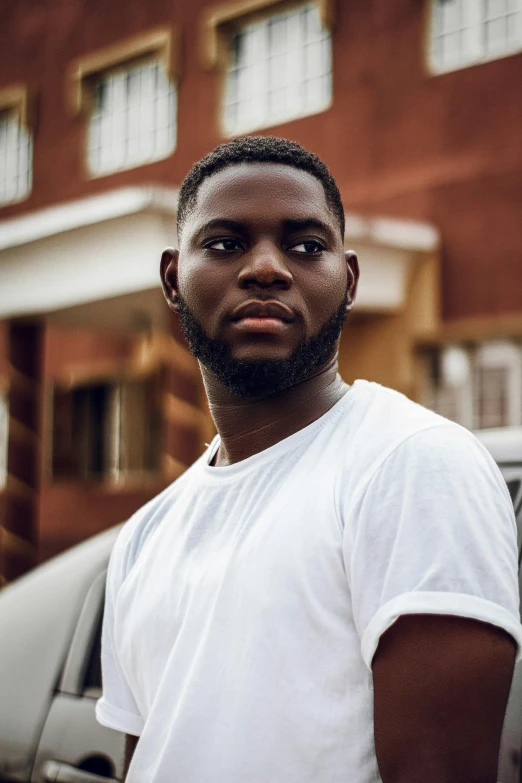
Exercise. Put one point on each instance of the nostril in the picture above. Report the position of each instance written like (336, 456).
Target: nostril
(266, 271)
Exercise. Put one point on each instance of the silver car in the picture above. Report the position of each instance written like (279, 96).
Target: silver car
(50, 675)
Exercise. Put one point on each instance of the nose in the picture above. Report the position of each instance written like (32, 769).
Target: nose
(265, 267)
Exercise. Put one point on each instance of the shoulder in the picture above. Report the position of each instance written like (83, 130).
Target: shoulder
(395, 435)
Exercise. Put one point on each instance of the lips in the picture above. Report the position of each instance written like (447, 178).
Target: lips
(257, 309)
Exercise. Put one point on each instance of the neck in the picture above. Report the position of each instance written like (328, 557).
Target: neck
(247, 427)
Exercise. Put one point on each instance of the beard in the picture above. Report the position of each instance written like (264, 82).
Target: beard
(260, 378)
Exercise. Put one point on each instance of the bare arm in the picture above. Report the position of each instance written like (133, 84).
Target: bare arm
(130, 746)
(441, 686)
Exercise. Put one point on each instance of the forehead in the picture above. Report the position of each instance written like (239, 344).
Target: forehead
(270, 191)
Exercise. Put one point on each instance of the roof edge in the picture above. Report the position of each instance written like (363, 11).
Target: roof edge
(59, 218)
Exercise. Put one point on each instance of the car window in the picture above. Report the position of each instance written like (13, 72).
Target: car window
(513, 487)
(93, 677)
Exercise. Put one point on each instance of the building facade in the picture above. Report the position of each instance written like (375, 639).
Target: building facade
(416, 107)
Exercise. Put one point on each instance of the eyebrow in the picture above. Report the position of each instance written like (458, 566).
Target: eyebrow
(228, 225)
(307, 223)
(291, 225)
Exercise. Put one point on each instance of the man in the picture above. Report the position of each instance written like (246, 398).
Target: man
(329, 594)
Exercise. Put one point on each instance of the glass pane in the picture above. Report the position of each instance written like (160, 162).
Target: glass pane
(495, 8)
(451, 13)
(513, 488)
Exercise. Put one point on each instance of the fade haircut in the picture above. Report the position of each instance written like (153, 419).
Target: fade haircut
(257, 149)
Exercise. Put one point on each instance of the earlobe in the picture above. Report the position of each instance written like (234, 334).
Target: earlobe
(352, 268)
(169, 276)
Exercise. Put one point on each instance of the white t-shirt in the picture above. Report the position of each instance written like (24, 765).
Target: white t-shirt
(244, 603)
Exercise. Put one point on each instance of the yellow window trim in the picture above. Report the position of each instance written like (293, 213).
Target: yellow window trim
(15, 98)
(160, 43)
(217, 21)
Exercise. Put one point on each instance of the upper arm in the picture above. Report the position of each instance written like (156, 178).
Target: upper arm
(117, 708)
(130, 746)
(441, 686)
(433, 533)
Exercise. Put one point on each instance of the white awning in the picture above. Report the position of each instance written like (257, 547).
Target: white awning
(387, 248)
(85, 251)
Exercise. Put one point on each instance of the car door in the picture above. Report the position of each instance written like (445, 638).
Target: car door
(510, 768)
(73, 747)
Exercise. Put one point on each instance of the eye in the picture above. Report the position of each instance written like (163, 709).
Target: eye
(224, 245)
(310, 246)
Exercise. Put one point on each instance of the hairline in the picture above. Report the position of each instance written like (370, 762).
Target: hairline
(236, 163)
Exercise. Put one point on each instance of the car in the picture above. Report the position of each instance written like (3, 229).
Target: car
(50, 671)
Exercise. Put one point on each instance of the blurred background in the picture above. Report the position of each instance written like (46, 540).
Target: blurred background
(416, 107)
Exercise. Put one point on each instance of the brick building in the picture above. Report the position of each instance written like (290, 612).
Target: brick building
(415, 105)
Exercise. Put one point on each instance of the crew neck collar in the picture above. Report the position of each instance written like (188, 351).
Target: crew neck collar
(272, 452)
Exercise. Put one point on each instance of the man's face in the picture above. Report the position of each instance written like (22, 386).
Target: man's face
(262, 277)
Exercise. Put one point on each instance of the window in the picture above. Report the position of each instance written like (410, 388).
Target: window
(16, 146)
(478, 386)
(133, 119)
(93, 676)
(466, 32)
(106, 430)
(279, 68)
(128, 96)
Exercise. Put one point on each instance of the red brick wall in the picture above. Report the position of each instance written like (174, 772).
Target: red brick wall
(445, 149)
(70, 510)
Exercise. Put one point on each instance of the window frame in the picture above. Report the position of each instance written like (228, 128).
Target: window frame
(220, 22)
(162, 45)
(432, 69)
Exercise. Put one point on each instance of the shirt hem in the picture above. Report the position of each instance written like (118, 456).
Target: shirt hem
(120, 720)
(455, 604)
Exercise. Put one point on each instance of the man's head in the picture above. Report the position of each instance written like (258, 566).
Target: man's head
(261, 280)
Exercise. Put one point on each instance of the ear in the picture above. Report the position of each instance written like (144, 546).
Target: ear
(169, 276)
(352, 268)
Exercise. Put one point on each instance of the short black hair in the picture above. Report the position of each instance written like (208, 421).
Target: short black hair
(258, 149)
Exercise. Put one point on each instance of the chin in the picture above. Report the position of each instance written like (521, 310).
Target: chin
(260, 355)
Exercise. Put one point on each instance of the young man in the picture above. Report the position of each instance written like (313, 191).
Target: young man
(329, 594)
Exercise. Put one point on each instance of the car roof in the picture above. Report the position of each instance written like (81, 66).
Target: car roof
(38, 616)
(503, 443)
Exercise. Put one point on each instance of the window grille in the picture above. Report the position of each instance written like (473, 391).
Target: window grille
(280, 68)
(466, 32)
(133, 120)
(490, 395)
(16, 153)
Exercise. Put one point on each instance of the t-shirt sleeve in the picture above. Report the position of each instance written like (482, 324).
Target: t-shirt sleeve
(117, 707)
(433, 532)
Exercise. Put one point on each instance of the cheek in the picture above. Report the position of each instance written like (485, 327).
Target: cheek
(325, 292)
(199, 289)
